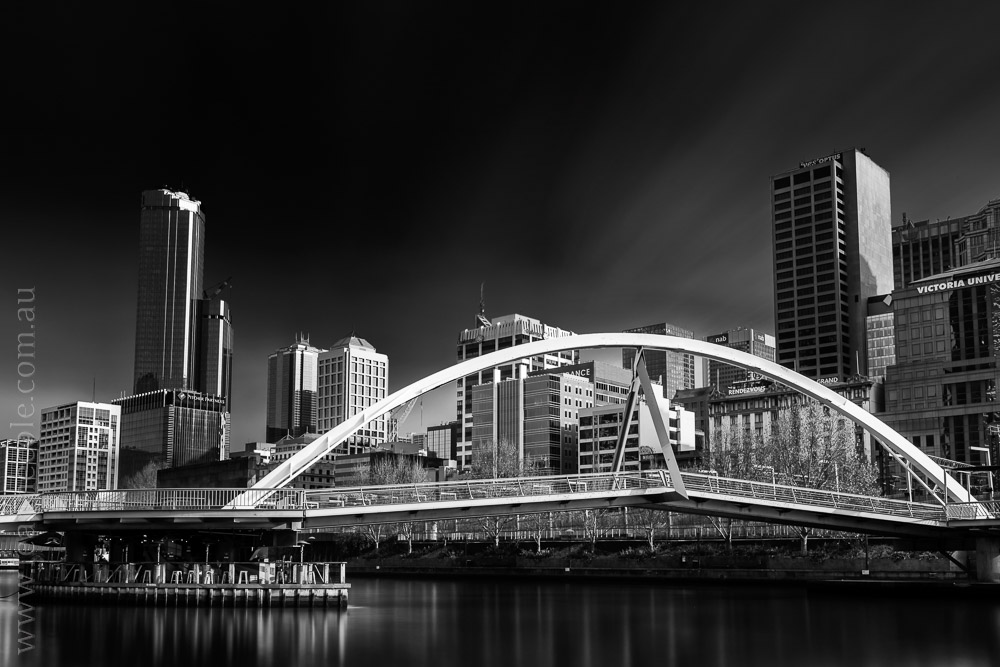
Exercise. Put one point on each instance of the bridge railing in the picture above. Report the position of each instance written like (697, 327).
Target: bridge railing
(478, 489)
(160, 499)
(795, 495)
(989, 509)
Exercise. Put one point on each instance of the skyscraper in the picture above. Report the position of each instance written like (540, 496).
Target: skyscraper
(179, 411)
(675, 370)
(171, 256)
(293, 390)
(352, 377)
(832, 251)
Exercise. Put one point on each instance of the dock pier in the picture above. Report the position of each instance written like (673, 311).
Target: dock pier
(170, 584)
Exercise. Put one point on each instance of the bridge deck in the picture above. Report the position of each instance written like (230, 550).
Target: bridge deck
(707, 494)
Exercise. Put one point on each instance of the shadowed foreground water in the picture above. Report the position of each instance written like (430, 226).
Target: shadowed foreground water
(505, 623)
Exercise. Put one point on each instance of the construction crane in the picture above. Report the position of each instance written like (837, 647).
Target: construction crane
(398, 416)
(213, 292)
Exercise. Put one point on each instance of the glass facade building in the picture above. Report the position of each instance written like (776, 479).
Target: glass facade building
(942, 392)
(674, 370)
(293, 390)
(172, 427)
(171, 258)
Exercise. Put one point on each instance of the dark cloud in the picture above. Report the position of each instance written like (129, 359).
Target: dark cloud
(366, 166)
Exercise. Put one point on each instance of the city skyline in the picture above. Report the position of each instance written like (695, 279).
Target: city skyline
(367, 170)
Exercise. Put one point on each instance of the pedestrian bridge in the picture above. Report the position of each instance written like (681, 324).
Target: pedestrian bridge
(254, 509)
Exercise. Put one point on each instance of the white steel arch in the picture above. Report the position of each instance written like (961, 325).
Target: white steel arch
(288, 470)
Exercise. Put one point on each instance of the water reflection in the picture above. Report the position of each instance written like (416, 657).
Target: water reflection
(502, 623)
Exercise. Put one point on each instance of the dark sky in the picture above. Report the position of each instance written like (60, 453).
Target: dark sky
(365, 166)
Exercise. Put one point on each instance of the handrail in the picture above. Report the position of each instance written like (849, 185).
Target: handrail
(286, 499)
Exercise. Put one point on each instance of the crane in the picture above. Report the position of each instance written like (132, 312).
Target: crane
(399, 415)
(213, 292)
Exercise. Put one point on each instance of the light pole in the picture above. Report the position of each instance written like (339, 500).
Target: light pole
(774, 481)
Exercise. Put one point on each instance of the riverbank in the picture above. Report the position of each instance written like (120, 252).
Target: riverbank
(707, 563)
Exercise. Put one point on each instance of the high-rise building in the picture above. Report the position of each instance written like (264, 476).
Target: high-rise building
(171, 257)
(293, 390)
(352, 377)
(78, 447)
(832, 251)
(757, 343)
(674, 370)
(183, 342)
(213, 366)
(502, 333)
(942, 392)
(171, 427)
(19, 465)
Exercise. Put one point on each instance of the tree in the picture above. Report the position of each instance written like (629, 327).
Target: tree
(497, 459)
(806, 445)
(390, 469)
(145, 478)
(649, 520)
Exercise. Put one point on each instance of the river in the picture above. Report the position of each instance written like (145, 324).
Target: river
(507, 622)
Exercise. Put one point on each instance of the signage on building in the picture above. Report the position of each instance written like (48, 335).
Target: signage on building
(833, 379)
(753, 376)
(583, 370)
(961, 282)
(749, 387)
(760, 338)
(721, 339)
(835, 156)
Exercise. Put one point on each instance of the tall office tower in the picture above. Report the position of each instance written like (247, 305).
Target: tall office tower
(78, 447)
(293, 390)
(171, 427)
(352, 377)
(832, 251)
(19, 466)
(921, 249)
(171, 254)
(502, 333)
(674, 370)
(744, 339)
(213, 347)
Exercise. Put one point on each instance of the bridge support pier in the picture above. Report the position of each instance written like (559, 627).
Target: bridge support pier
(988, 559)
